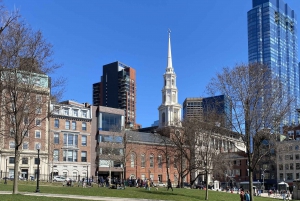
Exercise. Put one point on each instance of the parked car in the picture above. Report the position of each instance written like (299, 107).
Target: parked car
(160, 184)
(59, 179)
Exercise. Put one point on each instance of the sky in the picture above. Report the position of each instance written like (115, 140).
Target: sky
(206, 35)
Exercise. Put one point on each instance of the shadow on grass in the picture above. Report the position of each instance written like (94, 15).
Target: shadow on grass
(174, 193)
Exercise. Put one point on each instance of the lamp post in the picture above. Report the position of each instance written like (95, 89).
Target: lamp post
(38, 147)
(263, 177)
(87, 174)
(5, 178)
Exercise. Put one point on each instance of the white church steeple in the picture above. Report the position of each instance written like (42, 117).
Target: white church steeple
(170, 109)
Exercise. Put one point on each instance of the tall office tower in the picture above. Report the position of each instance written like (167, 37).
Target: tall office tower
(199, 107)
(272, 40)
(170, 109)
(117, 89)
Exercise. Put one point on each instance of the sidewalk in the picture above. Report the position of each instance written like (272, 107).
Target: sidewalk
(80, 196)
(278, 196)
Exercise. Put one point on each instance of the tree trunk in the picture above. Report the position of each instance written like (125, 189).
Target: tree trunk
(206, 191)
(16, 172)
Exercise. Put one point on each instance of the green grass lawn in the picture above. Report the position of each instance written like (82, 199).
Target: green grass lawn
(161, 194)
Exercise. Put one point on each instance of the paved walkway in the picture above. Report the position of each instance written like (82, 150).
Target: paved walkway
(80, 196)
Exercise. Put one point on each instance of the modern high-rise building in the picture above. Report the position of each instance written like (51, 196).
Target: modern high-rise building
(272, 40)
(117, 89)
(199, 107)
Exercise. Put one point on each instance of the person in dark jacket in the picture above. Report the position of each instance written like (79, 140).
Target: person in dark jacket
(169, 185)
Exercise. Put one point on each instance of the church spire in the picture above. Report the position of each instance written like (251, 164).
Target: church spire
(169, 64)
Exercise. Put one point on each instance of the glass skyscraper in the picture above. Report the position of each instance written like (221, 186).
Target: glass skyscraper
(272, 40)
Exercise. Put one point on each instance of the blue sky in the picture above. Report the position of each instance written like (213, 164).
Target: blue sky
(86, 34)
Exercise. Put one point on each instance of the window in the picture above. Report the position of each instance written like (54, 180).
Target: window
(84, 114)
(11, 144)
(291, 166)
(280, 167)
(56, 123)
(286, 166)
(24, 160)
(37, 134)
(37, 161)
(132, 160)
(297, 166)
(25, 120)
(38, 110)
(84, 126)
(11, 160)
(70, 139)
(151, 161)
(25, 145)
(38, 122)
(66, 112)
(297, 156)
(74, 125)
(289, 176)
(110, 122)
(83, 140)
(12, 132)
(281, 176)
(143, 160)
(39, 98)
(56, 138)
(67, 126)
(297, 147)
(70, 155)
(25, 133)
(83, 156)
(159, 162)
(75, 113)
(55, 155)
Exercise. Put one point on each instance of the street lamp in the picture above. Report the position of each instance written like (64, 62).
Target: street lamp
(38, 147)
(5, 178)
(263, 177)
(87, 174)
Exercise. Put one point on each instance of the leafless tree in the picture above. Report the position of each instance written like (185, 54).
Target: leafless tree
(259, 106)
(25, 62)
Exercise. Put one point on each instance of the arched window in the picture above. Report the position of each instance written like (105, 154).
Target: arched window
(143, 160)
(163, 117)
(132, 160)
(151, 161)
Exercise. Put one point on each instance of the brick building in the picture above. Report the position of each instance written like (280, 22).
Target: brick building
(146, 158)
(24, 122)
(70, 140)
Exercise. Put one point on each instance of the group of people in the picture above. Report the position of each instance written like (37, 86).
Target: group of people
(245, 196)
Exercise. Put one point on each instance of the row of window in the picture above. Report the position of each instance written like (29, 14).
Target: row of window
(289, 166)
(73, 125)
(25, 133)
(24, 160)
(25, 145)
(70, 139)
(289, 176)
(160, 161)
(290, 157)
(72, 112)
(70, 155)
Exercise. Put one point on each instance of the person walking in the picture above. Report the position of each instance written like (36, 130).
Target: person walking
(247, 196)
(148, 184)
(242, 196)
(169, 185)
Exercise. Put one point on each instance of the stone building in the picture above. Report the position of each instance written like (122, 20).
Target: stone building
(70, 140)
